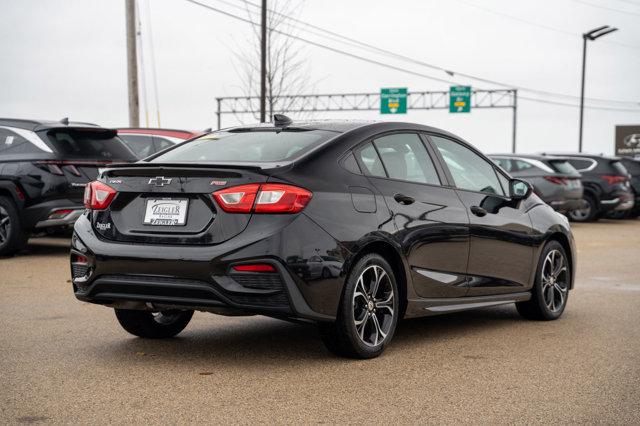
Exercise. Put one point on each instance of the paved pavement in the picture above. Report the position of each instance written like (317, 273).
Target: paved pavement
(62, 361)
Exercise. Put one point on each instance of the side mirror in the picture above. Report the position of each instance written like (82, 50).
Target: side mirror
(519, 189)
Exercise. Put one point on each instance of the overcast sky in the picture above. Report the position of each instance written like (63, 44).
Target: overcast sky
(67, 58)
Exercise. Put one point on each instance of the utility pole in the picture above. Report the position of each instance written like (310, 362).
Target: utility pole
(263, 63)
(132, 64)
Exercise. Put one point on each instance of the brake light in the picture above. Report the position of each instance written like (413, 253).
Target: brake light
(254, 267)
(612, 180)
(98, 195)
(556, 180)
(263, 198)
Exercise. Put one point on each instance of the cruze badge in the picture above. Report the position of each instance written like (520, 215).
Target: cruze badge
(159, 181)
(219, 182)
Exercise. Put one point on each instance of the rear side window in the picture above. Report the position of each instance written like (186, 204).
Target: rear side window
(619, 168)
(161, 143)
(469, 170)
(371, 161)
(632, 166)
(505, 163)
(405, 157)
(101, 145)
(562, 166)
(581, 164)
(141, 145)
(12, 143)
(252, 146)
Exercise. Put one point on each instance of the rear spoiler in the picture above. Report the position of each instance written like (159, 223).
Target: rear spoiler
(159, 168)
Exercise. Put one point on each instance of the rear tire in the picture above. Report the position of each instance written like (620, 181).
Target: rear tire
(588, 214)
(550, 292)
(12, 237)
(153, 325)
(368, 311)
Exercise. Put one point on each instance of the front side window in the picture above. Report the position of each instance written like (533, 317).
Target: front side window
(246, 146)
(469, 170)
(405, 157)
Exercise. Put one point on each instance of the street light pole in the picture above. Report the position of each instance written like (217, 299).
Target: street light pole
(263, 63)
(591, 35)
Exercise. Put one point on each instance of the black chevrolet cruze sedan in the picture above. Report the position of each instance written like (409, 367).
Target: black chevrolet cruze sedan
(408, 220)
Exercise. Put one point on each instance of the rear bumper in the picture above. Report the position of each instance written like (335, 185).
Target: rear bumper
(618, 203)
(201, 278)
(44, 215)
(566, 205)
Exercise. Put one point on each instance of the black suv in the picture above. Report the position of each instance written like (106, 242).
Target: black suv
(633, 167)
(606, 186)
(44, 167)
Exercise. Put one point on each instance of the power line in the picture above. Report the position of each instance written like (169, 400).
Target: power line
(597, 6)
(370, 47)
(535, 24)
(361, 58)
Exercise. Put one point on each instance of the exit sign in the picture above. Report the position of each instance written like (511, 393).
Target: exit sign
(460, 99)
(393, 100)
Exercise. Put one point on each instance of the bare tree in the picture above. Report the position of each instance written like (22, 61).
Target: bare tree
(287, 63)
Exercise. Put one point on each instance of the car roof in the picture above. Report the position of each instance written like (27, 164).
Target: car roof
(581, 155)
(539, 157)
(36, 125)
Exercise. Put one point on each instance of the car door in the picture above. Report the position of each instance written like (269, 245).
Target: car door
(431, 222)
(501, 234)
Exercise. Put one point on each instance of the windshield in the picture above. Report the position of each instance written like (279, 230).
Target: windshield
(563, 166)
(89, 144)
(254, 146)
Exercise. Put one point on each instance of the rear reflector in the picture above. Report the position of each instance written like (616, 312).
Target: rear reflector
(98, 195)
(556, 180)
(254, 267)
(59, 214)
(263, 198)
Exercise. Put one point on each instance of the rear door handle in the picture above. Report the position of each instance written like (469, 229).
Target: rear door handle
(478, 211)
(404, 199)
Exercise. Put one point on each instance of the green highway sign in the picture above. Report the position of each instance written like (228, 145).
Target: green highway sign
(393, 100)
(460, 99)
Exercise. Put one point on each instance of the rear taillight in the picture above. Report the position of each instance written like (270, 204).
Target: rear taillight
(254, 267)
(613, 179)
(556, 180)
(263, 198)
(98, 195)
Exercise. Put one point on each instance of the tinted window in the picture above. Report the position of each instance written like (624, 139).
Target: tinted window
(619, 168)
(253, 146)
(351, 164)
(523, 165)
(162, 143)
(89, 145)
(12, 143)
(371, 161)
(632, 166)
(469, 170)
(505, 184)
(141, 145)
(580, 164)
(405, 157)
(562, 166)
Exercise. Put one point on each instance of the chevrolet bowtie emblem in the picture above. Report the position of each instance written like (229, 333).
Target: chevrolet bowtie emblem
(159, 181)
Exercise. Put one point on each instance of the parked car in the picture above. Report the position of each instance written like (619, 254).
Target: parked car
(147, 141)
(44, 167)
(554, 179)
(419, 221)
(633, 167)
(606, 186)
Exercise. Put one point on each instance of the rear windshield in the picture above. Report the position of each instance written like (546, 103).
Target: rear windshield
(562, 166)
(100, 145)
(620, 168)
(256, 146)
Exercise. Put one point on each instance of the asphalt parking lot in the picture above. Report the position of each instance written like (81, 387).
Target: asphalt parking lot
(62, 361)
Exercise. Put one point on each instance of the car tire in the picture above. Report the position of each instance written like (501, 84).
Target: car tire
(326, 273)
(368, 312)
(153, 325)
(12, 237)
(550, 291)
(588, 214)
